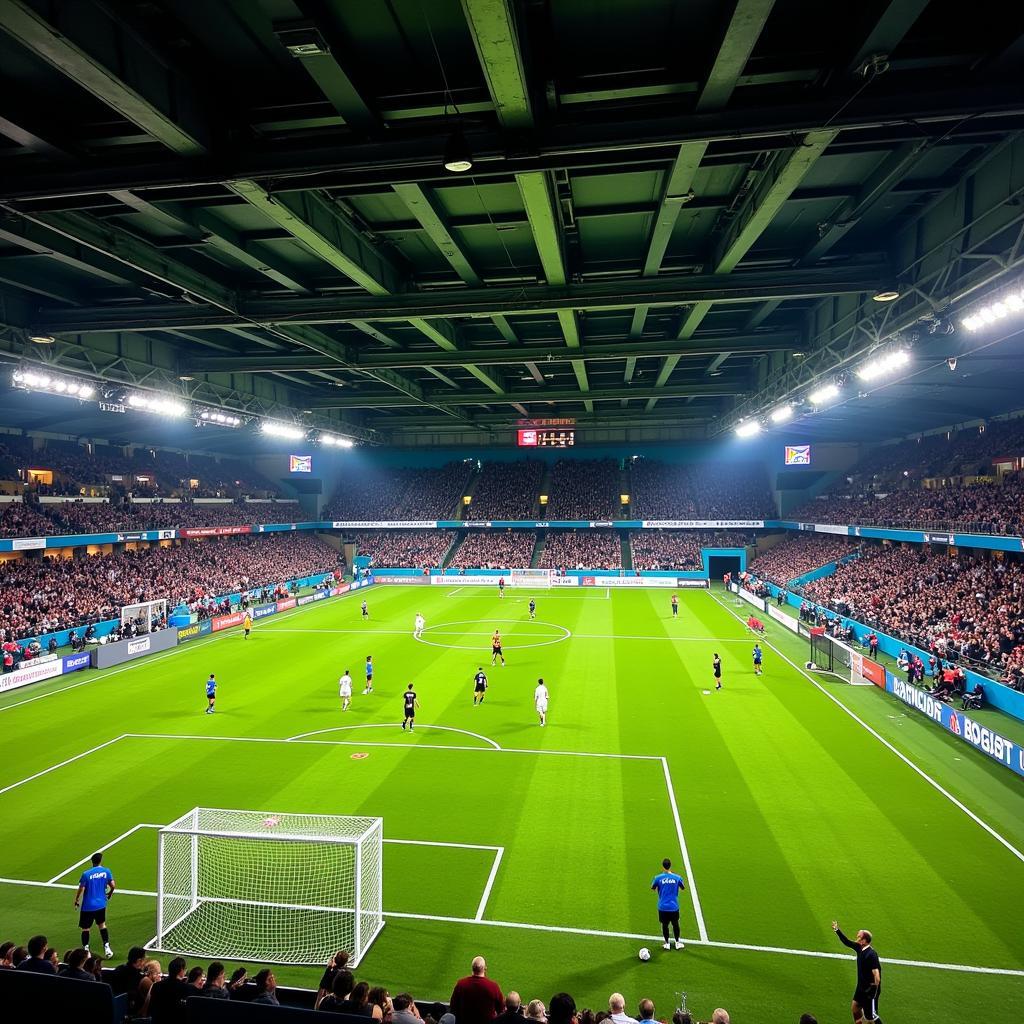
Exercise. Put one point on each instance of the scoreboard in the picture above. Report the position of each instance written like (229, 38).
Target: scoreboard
(547, 438)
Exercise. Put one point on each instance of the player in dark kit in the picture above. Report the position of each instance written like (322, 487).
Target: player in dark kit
(533, 608)
(716, 666)
(501, 586)
(95, 888)
(411, 704)
(479, 686)
(869, 976)
(496, 651)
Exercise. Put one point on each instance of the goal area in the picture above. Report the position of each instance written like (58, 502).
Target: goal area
(147, 612)
(531, 577)
(269, 887)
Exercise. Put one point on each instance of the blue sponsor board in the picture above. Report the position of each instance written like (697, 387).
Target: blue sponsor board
(261, 611)
(979, 736)
(73, 662)
(197, 629)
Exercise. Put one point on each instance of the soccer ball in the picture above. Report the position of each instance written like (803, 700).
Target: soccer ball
(644, 954)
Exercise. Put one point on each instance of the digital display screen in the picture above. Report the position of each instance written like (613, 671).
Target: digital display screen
(798, 455)
(300, 463)
(557, 438)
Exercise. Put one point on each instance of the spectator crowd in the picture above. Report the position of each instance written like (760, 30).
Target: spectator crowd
(400, 494)
(585, 489)
(507, 490)
(495, 549)
(799, 554)
(717, 490)
(403, 549)
(581, 549)
(680, 549)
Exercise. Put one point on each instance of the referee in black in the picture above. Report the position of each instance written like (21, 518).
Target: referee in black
(869, 976)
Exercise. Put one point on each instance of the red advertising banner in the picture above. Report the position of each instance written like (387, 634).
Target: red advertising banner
(227, 621)
(873, 672)
(288, 602)
(214, 531)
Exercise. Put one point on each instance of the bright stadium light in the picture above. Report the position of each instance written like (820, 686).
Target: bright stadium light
(52, 384)
(155, 404)
(218, 418)
(275, 428)
(1010, 304)
(780, 415)
(748, 428)
(882, 366)
(332, 440)
(824, 394)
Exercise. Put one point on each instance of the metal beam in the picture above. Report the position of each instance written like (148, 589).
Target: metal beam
(28, 138)
(539, 201)
(91, 44)
(896, 21)
(702, 347)
(745, 26)
(492, 25)
(424, 207)
(327, 232)
(487, 378)
(664, 291)
(391, 401)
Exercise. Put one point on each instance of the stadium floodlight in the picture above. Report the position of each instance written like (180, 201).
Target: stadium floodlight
(883, 365)
(220, 419)
(269, 887)
(289, 431)
(334, 441)
(823, 394)
(156, 404)
(748, 428)
(781, 414)
(52, 384)
(1010, 304)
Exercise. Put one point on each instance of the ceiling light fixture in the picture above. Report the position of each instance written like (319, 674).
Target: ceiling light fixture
(882, 366)
(458, 157)
(160, 406)
(334, 441)
(47, 383)
(1012, 303)
(781, 414)
(42, 339)
(887, 292)
(275, 428)
(824, 394)
(220, 419)
(748, 428)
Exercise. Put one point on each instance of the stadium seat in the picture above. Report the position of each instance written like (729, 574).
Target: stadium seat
(223, 1011)
(28, 998)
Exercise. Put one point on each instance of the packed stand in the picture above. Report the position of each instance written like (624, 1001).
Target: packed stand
(800, 554)
(983, 508)
(584, 489)
(23, 519)
(662, 490)
(404, 549)
(507, 490)
(960, 608)
(582, 549)
(404, 494)
(654, 550)
(44, 595)
(476, 998)
(495, 549)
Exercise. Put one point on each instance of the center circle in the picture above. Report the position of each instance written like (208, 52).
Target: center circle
(563, 634)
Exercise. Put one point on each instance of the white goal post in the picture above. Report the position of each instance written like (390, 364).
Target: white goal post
(531, 577)
(268, 887)
(148, 611)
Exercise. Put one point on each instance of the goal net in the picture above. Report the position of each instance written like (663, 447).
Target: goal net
(835, 657)
(273, 888)
(144, 614)
(531, 577)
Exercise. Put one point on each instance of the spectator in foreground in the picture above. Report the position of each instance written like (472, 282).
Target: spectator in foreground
(36, 960)
(562, 1009)
(536, 1010)
(338, 962)
(266, 988)
(405, 1011)
(617, 1009)
(166, 1000)
(646, 1009)
(513, 1009)
(126, 978)
(720, 1016)
(682, 1017)
(808, 1018)
(476, 999)
(341, 992)
(72, 967)
(7, 956)
(215, 987)
(196, 981)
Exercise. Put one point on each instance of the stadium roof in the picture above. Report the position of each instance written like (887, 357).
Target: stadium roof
(678, 211)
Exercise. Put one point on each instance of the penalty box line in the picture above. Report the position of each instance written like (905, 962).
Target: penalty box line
(881, 739)
(600, 934)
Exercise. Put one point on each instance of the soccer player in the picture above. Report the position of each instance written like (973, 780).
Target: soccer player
(864, 1004)
(418, 625)
(540, 701)
(246, 626)
(365, 610)
(411, 704)
(757, 659)
(345, 690)
(479, 686)
(501, 586)
(533, 608)
(369, 674)
(95, 888)
(675, 606)
(668, 885)
(211, 694)
(496, 651)
(716, 666)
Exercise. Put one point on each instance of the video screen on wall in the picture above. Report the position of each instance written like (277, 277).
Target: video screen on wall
(300, 463)
(798, 455)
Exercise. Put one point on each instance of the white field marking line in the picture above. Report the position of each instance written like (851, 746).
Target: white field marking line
(103, 849)
(1009, 972)
(389, 725)
(62, 764)
(498, 854)
(138, 664)
(694, 898)
(903, 757)
(574, 636)
(452, 593)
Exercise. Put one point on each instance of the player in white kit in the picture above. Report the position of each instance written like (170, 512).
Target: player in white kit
(540, 701)
(419, 623)
(345, 690)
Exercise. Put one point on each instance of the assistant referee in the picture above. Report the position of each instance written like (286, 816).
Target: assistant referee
(864, 1005)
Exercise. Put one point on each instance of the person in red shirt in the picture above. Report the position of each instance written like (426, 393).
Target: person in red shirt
(476, 999)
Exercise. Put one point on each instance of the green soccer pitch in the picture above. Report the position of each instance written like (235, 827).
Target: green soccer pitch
(785, 801)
